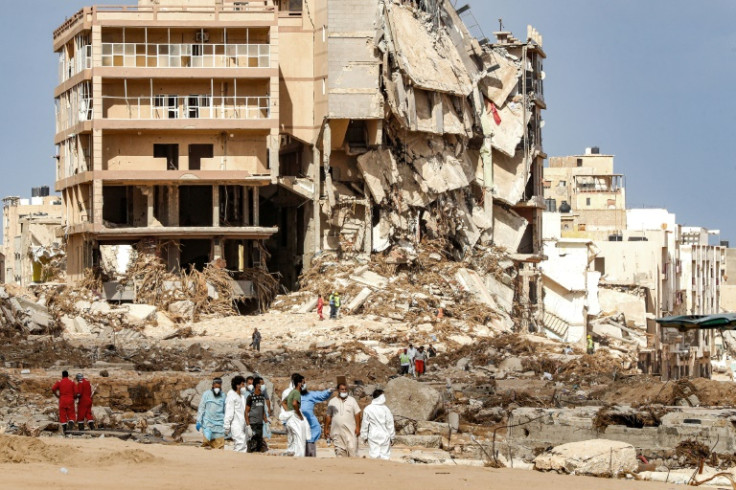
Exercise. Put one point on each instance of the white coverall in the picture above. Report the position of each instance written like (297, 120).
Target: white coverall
(412, 353)
(378, 429)
(297, 431)
(235, 420)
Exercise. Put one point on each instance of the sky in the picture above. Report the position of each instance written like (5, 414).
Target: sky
(649, 81)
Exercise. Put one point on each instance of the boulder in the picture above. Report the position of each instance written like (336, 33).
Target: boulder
(411, 399)
(100, 307)
(511, 365)
(184, 309)
(419, 441)
(140, 313)
(595, 457)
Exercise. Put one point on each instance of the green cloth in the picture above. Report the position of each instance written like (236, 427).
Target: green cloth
(293, 396)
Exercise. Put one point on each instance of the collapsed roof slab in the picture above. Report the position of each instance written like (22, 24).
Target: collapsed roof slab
(508, 133)
(509, 177)
(508, 228)
(497, 86)
(431, 64)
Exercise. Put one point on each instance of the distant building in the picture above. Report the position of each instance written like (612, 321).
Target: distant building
(30, 229)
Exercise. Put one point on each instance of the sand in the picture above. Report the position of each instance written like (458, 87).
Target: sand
(113, 464)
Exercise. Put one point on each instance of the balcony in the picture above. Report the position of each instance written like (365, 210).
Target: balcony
(82, 61)
(161, 107)
(142, 55)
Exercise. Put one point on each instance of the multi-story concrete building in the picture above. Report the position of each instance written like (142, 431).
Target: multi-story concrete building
(248, 129)
(30, 229)
(590, 196)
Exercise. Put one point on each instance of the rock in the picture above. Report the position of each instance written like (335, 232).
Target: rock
(411, 399)
(82, 306)
(511, 365)
(104, 373)
(139, 313)
(453, 420)
(100, 307)
(102, 415)
(595, 457)
(431, 441)
(463, 364)
(184, 309)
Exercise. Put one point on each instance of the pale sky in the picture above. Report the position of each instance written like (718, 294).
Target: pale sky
(650, 81)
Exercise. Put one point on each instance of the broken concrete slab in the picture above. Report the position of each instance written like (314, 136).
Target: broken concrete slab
(428, 441)
(358, 301)
(183, 309)
(508, 228)
(499, 84)
(412, 400)
(471, 281)
(366, 277)
(140, 313)
(597, 457)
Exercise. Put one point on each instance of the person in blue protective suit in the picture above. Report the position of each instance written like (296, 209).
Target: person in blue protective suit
(211, 416)
(309, 400)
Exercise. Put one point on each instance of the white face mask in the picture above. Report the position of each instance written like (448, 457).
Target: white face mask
(250, 387)
(343, 395)
(216, 391)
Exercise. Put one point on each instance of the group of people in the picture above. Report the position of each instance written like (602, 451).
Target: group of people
(75, 401)
(413, 360)
(334, 303)
(244, 416)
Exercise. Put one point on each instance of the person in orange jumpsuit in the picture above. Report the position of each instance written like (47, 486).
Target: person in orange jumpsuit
(320, 307)
(83, 393)
(64, 391)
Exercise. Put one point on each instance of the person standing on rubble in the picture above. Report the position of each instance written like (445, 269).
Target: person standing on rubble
(591, 345)
(83, 394)
(431, 352)
(256, 343)
(211, 416)
(404, 362)
(420, 359)
(343, 423)
(412, 352)
(320, 307)
(377, 428)
(309, 400)
(234, 422)
(64, 391)
(334, 305)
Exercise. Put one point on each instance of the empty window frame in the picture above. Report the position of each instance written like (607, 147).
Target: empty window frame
(168, 151)
(167, 106)
(197, 106)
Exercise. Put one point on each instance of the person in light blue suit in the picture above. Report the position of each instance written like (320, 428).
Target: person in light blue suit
(309, 400)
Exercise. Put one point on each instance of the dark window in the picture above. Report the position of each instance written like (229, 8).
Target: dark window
(580, 162)
(551, 205)
(168, 151)
(600, 265)
(587, 201)
(197, 153)
(195, 205)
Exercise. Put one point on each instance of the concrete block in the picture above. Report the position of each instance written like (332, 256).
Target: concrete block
(597, 457)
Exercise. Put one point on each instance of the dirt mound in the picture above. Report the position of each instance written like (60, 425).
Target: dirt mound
(124, 456)
(639, 391)
(15, 449)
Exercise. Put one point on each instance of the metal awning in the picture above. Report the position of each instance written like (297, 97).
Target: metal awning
(721, 321)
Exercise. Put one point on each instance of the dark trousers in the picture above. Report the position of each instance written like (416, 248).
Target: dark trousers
(333, 311)
(311, 450)
(256, 444)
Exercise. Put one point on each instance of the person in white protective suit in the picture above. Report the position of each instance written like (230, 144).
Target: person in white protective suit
(235, 415)
(297, 427)
(377, 427)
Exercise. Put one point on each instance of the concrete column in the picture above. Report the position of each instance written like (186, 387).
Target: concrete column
(173, 206)
(217, 246)
(150, 194)
(246, 205)
(256, 207)
(274, 142)
(97, 202)
(316, 216)
(215, 205)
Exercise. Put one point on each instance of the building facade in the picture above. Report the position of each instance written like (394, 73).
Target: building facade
(32, 235)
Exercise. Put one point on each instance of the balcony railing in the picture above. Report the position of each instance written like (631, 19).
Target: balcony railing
(69, 68)
(134, 55)
(186, 107)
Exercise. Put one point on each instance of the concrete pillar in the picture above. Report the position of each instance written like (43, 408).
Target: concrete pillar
(316, 216)
(217, 246)
(150, 194)
(173, 206)
(97, 202)
(215, 205)
(274, 142)
(256, 207)
(246, 206)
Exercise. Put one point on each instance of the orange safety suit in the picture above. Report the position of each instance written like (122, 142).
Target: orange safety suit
(83, 392)
(66, 400)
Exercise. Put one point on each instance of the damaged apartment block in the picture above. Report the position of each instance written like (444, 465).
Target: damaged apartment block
(307, 127)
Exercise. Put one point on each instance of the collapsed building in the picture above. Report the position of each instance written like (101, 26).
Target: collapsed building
(265, 134)
(33, 243)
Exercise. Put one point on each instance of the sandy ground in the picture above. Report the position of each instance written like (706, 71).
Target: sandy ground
(113, 464)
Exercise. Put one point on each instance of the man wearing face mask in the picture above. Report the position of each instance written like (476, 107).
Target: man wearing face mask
(343, 423)
(255, 415)
(378, 427)
(235, 414)
(297, 427)
(211, 416)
